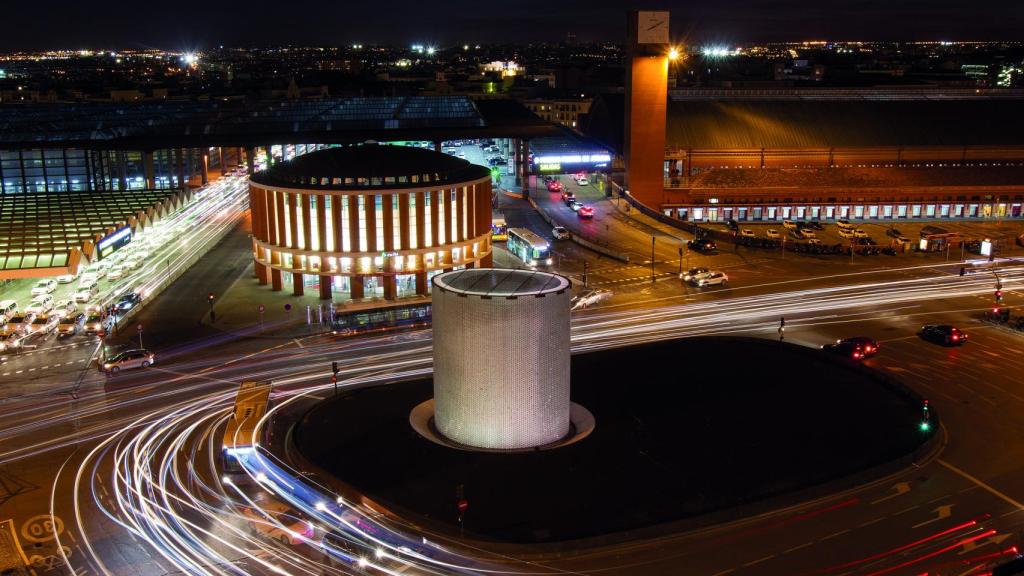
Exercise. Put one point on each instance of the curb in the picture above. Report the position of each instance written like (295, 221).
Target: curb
(577, 239)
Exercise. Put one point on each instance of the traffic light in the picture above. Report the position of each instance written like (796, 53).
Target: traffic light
(210, 296)
(999, 295)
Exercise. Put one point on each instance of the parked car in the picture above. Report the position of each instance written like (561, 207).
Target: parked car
(693, 273)
(70, 325)
(44, 323)
(846, 232)
(943, 334)
(771, 233)
(97, 270)
(19, 322)
(128, 360)
(711, 279)
(789, 225)
(560, 233)
(806, 233)
(814, 242)
(858, 233)
(894, 233)
(68, 278)
(844, 223)
(732, 224)
(86, 293)
(44, 287)
(815, 225)
(116, 272)
(40, 304)
(8, 308)
(706, 245)
(64, 307)
(747, 233)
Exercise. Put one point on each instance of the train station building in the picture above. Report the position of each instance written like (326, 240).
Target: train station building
(369, 220)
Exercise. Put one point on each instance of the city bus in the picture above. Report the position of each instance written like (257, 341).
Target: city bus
(358, 318)
(251, 403)
(529, 247)
(499, 229)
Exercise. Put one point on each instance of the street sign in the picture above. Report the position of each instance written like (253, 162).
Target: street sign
(287, 306)
(262, 307)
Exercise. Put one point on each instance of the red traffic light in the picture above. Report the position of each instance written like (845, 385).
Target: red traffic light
(999, 295)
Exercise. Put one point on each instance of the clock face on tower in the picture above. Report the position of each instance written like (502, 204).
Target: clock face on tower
(652, 27)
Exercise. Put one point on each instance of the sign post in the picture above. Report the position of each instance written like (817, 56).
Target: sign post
(261, 309)
(139, 328)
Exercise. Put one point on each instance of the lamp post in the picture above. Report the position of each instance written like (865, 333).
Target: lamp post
(653, 238)
(213, 315)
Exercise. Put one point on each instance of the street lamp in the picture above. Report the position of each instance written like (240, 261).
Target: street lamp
(213, 315)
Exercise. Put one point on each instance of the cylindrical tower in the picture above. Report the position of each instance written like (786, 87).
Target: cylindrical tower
(501, 357)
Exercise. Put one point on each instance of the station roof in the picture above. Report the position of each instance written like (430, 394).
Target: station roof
(858, 178)
(152, 125)
(370, 166)
(824, 119)
(500, 283)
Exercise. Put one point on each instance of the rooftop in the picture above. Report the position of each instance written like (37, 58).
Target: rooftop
(501, 283)
(146, 125)
(858, 178)
(370, 165)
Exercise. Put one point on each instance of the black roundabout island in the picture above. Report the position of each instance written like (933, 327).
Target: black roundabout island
(684, 428)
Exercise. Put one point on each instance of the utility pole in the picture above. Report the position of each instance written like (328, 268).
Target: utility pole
(680, 260)
(585, 273)
(653, 238)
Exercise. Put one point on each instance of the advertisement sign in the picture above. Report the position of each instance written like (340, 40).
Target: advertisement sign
(114, 242)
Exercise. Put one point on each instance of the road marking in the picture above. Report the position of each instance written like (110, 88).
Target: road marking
(943, 512)
(758, 561)
(795, 548)
(297, 343)
(870, 522)
(981, 484)
(723, 572)
(901, 488)
(974, 544)
(830, 536)
(904, 511)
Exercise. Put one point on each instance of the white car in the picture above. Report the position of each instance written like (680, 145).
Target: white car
(96, 270)
(86, 293)
(44, 287)
(589, 298)
(771, 233)
(789, 225)
(806, 233)
(64, 307)
(844, 223)
(132, 262)
(116, 273)
(583, 182)
(858, 233)
(40, 304)
(142, 254)
(747, 233)
(694, 274)
(560, 233)
(711, 279)
(846, 232)
(128, 360)
(814, 241)
(68, 278)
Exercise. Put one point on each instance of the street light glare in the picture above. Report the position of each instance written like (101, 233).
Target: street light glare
(673, 53)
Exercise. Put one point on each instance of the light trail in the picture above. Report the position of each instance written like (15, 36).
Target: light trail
(167, 494)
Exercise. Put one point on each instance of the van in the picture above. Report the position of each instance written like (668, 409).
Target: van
(8, 308)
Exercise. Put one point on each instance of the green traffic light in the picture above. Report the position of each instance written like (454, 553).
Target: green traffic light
(925, 426)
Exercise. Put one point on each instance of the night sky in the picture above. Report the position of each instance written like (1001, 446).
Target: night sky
(190, 24)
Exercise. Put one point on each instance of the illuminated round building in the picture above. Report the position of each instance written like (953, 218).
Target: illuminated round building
(501, 358)
(369, 220)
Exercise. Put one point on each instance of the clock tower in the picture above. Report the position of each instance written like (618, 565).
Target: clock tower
(646, 101)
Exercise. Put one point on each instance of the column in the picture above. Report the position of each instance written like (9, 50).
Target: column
(449, 234)
(250, 161)
(325, 287)
(220, 158)
(147, 164)
(524, 166)
(179, 165)
(275, 279)
(420, 219)
(297, 287)
(307, 218)
(122, 170)
(336, 222)
(460, 213)
(261, 271)
(268, 207)
(403, 221)
(437, 146)
(371, 222)
(204, 167)
(353, 229)
(390, 287)
(321, 225)
(387, 203)
(282, 237)
(421, 284)
(293, 219)
(435, 229)
(356, 282)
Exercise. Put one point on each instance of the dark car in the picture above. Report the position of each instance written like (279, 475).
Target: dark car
(126, 302)
(845, 349)
(944, 334)
(867, 345)
(893, 232)
(706, 245)
(814, 225)
(732, 224)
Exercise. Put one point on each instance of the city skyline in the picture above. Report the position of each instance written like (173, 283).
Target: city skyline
(195, 27)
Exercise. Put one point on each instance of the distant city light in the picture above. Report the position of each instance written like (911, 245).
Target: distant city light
(465, 46)
(3, 73)
(717, 51)
(190, 59)
(431, 50)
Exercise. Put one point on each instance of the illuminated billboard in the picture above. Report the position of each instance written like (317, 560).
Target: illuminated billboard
(114, 242)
